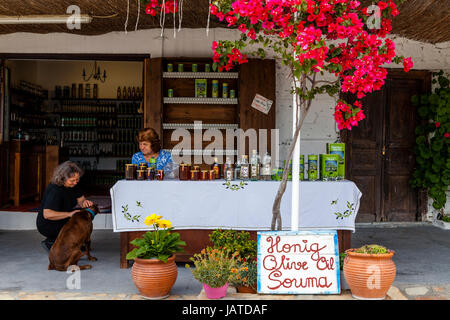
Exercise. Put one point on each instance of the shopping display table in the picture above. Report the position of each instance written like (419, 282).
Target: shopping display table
(195, 208)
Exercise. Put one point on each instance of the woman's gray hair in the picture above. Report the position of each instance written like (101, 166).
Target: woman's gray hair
(65, 171)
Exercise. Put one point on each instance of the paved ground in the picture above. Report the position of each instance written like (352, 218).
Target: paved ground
(422, 259)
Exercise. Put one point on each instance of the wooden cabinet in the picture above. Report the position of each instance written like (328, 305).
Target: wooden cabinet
(30, 170)
(165, 114)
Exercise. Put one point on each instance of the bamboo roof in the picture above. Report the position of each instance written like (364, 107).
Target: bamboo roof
(421, 20)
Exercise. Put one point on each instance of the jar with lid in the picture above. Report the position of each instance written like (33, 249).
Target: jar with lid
(184, 171)
(150, 173)
(204, 175)
(130, 171)
(160, 175)
(195, 175)
(140, 174)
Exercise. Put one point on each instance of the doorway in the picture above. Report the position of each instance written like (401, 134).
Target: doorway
(380, 151)
(90, 123)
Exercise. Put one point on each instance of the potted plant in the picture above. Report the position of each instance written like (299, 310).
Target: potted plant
(154, 271)
(214, 268)
(239, 241)
(369, 271)
(246, 280)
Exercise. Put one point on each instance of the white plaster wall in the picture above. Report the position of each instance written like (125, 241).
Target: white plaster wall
(319, 127)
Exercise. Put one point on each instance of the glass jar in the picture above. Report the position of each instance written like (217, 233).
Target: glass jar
(160, 175)
(184, 171)
(195, 175)
(130, 171)
(151, 173)
(204, 175)
(140, 174)
(212, 175)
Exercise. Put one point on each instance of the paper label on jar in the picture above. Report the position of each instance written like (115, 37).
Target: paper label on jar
(229, 175)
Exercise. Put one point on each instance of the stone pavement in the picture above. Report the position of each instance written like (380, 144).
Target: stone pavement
(394, 293)
(421, 258)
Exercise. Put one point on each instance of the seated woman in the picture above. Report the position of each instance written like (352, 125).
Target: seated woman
(59, 200)
(150, 147)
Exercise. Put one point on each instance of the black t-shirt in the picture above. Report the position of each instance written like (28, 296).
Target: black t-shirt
(58, 198)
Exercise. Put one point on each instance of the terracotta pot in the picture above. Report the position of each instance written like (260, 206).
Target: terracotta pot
(154, 278)
(369, 276)
(215, 293)
(245, 289)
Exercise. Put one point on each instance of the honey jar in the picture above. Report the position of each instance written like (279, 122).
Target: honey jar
(130, 171)
(184, 172)
(195, 175)
(160, 175)
(140, 174)
(212, 175)
(204, 175)
(150, 173)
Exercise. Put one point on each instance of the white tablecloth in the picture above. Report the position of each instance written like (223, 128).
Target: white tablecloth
(211, 205)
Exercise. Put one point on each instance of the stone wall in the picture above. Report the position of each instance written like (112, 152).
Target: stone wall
(319, 127)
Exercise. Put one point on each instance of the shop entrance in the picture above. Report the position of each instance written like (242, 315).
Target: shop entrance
(381, 150)
(52, 110)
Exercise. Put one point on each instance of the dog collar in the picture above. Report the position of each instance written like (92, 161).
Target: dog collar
(91, 212)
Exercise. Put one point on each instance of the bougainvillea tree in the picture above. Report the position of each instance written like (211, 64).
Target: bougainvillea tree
(314, 39)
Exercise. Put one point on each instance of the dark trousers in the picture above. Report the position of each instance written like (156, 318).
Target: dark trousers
(50, 229)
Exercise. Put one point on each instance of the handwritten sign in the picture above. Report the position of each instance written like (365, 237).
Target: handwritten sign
(298, 262)
(262, 104)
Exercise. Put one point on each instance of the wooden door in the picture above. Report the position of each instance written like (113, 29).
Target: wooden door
(380, 150)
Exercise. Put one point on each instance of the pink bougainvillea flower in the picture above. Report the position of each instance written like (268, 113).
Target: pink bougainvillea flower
(242, 27)
(437, 124)
(407, 64)
(447, 135)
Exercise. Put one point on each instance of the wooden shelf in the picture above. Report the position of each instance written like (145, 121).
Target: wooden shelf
(191, 100)
(97, 99)
(201, 75)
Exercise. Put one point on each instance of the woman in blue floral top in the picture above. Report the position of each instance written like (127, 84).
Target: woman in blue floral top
(150, 147)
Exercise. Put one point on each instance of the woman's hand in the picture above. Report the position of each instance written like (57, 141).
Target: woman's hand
(86, 203)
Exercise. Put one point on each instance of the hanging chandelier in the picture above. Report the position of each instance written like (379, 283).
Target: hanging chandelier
(95, 74)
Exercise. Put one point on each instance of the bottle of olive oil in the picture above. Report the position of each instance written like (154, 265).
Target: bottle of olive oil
(254, 166)
(245, 168)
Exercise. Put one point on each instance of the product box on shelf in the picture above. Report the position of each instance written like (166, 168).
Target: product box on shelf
(200, 88)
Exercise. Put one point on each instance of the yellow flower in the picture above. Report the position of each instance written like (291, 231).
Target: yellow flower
(152, 219)
(164, 224)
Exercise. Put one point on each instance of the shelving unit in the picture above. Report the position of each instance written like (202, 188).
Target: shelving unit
(201, 75)
(99, 134)
(166, 114)
(183, 109)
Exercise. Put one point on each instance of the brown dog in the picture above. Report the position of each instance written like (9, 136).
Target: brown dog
(74, 234)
